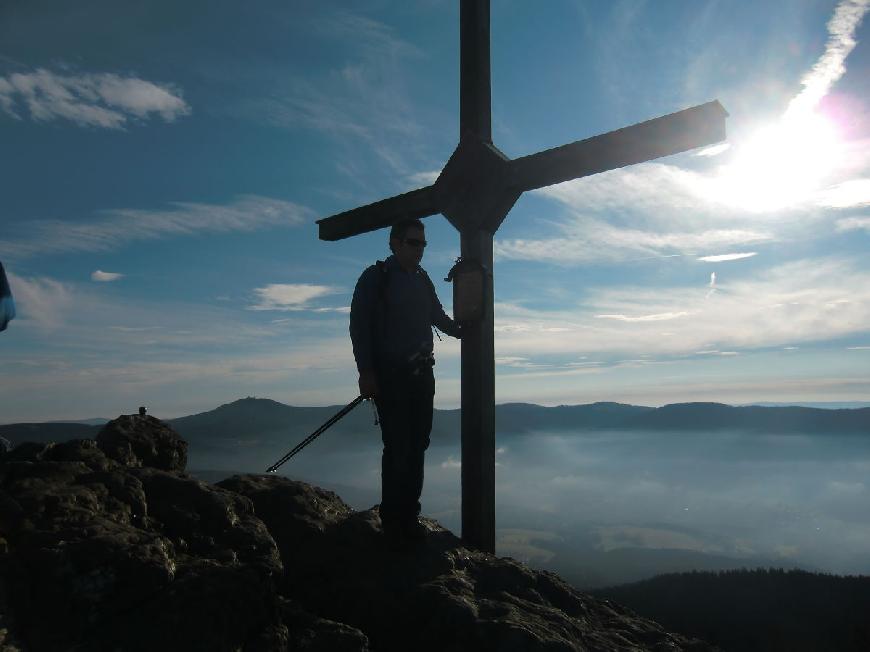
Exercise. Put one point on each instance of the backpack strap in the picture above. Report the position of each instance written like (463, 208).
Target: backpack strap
(383, 282)
(434, 298)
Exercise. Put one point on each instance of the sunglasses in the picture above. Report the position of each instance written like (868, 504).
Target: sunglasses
(414, 242)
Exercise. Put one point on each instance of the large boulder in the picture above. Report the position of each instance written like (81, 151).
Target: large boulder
(101, 555)
(436, 596)
(142, 440)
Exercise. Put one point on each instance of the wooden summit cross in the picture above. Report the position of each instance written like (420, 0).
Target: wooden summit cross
(475, 191)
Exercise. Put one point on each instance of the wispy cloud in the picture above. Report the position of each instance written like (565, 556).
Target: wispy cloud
(663, 316)
(42, 301)
(803, 301)
(714, 150)
(591, 241)
(656, 209)
(648, 210)
(854, 224)
(831, 66)
(852, 193)
(290, 296)
(423, 178)
(362, 105)
(105, 277)
(721, 258)
(104, 100)
(711, 285)
(116, 228)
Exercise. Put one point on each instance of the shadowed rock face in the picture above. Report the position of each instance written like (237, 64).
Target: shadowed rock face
(436, 596)
(135, 440)
(108, 545)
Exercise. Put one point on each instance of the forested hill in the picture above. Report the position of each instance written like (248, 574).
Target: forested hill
(252, 418)
(518, 417)
(757, 610)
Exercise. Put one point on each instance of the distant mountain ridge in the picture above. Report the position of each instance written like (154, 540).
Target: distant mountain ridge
(258, 418)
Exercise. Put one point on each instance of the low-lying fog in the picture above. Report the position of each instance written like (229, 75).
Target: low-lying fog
(609, 507)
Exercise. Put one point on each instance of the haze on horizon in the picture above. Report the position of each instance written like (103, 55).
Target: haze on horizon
(572, 501)
(164, 165)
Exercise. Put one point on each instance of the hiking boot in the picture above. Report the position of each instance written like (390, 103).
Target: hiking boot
(414, 530)
(395, 538)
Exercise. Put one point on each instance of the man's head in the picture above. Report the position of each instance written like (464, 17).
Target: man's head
(407, 241)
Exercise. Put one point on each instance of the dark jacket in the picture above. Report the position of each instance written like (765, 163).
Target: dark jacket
(391, 316)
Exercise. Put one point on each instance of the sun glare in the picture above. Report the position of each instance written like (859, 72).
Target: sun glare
(780, 165)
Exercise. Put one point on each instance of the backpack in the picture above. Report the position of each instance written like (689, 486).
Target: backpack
(383, 282)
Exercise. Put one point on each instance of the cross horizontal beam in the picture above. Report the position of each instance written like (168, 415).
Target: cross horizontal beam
(410, 205)
(670, 134)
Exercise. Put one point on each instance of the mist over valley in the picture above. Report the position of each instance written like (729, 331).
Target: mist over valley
(602, 494)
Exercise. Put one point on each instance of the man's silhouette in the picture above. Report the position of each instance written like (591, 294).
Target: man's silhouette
(391, 317)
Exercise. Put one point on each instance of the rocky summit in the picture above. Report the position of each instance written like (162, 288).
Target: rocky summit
(108, 544)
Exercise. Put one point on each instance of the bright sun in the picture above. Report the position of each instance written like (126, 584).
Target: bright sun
(781, 164)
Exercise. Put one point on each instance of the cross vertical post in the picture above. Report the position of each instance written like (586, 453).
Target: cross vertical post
(478, 346)
(478, 405)
(475, 191)
(474, 81)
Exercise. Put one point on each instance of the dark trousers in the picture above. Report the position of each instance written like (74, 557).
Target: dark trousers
(405, 412)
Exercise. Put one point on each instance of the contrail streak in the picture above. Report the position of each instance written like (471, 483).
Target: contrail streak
(832, 64)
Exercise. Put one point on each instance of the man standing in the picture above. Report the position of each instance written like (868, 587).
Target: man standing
(391, 316)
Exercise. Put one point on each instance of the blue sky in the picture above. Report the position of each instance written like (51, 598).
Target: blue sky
(163, 165)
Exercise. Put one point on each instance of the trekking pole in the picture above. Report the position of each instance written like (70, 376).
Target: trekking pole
(314, 435)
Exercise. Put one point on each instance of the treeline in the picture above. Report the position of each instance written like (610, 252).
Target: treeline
(763, 609)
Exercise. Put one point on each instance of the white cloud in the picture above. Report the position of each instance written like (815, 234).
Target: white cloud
(831, 66)
(804, 301)
(646, 191)
(103, 100)
(656, 209)
(726, 257)
(664, 316)
(852, 193)
(648, 210)
(712, 286)
(105, 277)
(589, 241)
(424, 178)
(518, 363)
(365, 101)
(289, 296)
(6, 92)
(714, 150)
(43, 301)
(123, 226)
(506, 360)
(853, 224)
(340, 309)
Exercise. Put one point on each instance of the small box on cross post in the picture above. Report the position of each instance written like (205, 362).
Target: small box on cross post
(469, 284)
